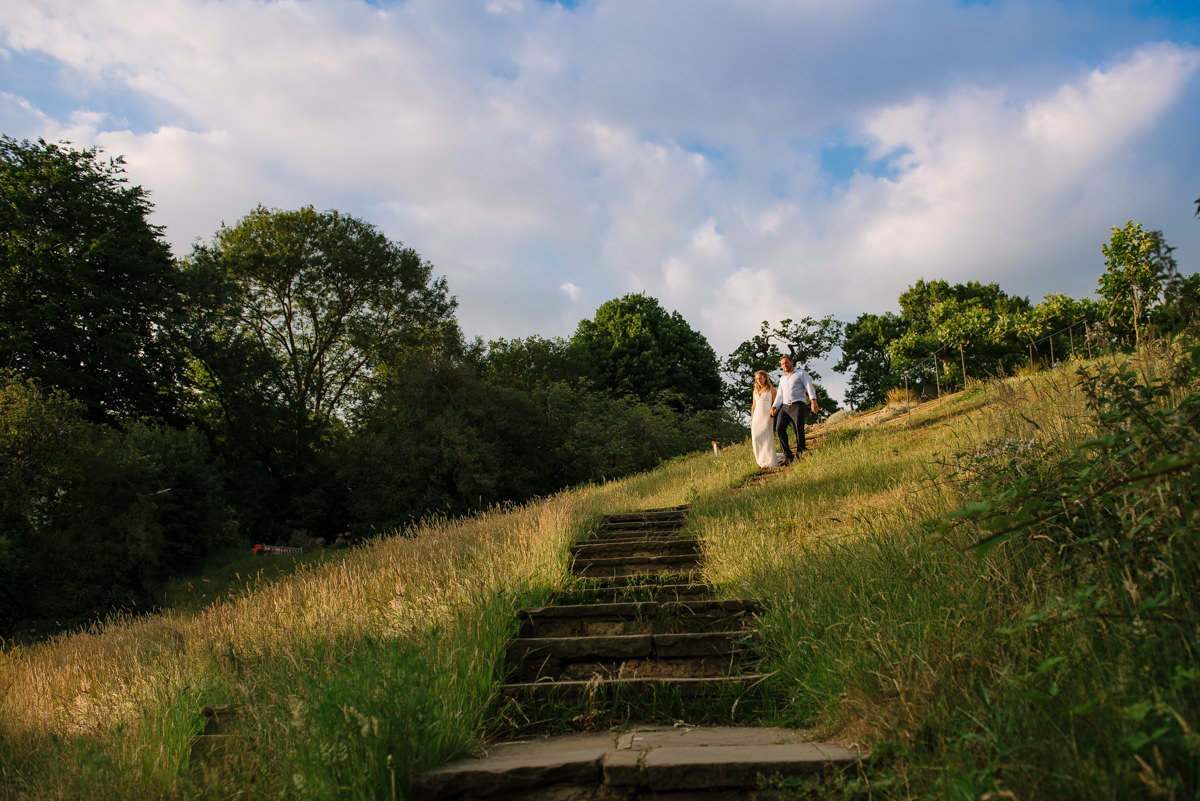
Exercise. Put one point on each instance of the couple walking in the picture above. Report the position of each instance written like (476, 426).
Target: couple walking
(775, 408)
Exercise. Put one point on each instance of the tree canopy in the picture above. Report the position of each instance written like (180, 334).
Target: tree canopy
(88, 287)
(324, 299)
(865, 349)
(634, 346)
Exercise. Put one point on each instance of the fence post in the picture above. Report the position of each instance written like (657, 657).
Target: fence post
(937, 380)
(1051, 338)
(906, 404)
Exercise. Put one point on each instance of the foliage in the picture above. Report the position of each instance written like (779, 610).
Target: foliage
(633, 346)
(939, 314)
(442, 440)
(533, 362)
(296, 316)
(1136, 263)
(91, 518)
(865, 352)
(186, 491)
(329, 298)
(438, 441)
(87, 285)
(1180, 307)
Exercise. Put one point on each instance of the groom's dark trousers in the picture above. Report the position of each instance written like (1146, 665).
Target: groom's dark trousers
(793, 414)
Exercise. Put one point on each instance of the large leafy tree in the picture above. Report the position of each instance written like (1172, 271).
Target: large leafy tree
(1137, 262)
(533, 362)
(865, 352)
(325, 299)
(92, 517)
(964, 325)
(634, 346)
(959, 326)
(296, 315)
(87, 284)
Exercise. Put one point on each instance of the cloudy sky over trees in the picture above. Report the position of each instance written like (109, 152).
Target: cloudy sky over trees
(739, 160)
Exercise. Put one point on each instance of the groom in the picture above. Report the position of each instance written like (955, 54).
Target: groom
(789, 405)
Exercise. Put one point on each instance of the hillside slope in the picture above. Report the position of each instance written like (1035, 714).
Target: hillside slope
(1046, 665)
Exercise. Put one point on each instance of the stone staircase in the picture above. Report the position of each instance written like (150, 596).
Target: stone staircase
(644, 625)
(642, 638)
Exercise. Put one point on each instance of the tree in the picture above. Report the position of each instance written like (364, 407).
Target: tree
(1136, 263)
(87, 285)
(533, 362)
(962, 325)
(929, 308)
(633, 346)
(865, 350)
(328, 298)
(295, 315)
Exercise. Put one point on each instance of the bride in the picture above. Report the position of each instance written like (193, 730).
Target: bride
(762, 429)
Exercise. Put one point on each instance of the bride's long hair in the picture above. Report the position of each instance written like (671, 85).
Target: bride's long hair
(762, 381)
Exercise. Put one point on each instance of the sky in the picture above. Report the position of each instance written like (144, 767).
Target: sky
(738, 160)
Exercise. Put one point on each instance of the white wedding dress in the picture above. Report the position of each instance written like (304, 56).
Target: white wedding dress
(762, 432)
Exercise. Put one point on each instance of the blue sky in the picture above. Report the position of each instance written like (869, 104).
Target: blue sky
(739, 161)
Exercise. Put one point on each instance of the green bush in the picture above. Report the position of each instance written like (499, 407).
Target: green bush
(85, 526)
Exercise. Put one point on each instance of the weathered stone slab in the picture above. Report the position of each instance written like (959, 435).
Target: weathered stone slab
(683, 685)
(575, 759)
(611, 549)
(655, 760)
(714, 767)
(631, 566)
(620, 646)
(707, 643)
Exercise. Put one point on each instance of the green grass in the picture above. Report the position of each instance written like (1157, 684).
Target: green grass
(1061, 663)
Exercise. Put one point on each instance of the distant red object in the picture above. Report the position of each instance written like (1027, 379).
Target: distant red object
(261, 550)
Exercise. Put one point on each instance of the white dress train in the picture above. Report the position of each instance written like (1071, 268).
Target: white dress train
(762, 432)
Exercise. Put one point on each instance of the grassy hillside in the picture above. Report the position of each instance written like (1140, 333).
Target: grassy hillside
(1060, 663)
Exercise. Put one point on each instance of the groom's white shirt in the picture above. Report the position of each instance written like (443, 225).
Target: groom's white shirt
(791, 385)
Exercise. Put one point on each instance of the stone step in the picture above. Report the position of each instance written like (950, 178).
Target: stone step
(605, 549)
(629, 566)
(669, 513)
(636, 764)
(664, 523)
(633, 588)
(618, 647)
(634, 616)
(550, 670)
(632, 687)
(626, 530)
(634, 534)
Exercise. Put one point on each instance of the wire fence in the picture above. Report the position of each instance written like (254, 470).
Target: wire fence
(1089, 335)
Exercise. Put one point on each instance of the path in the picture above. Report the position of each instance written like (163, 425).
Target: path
(644, 639)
